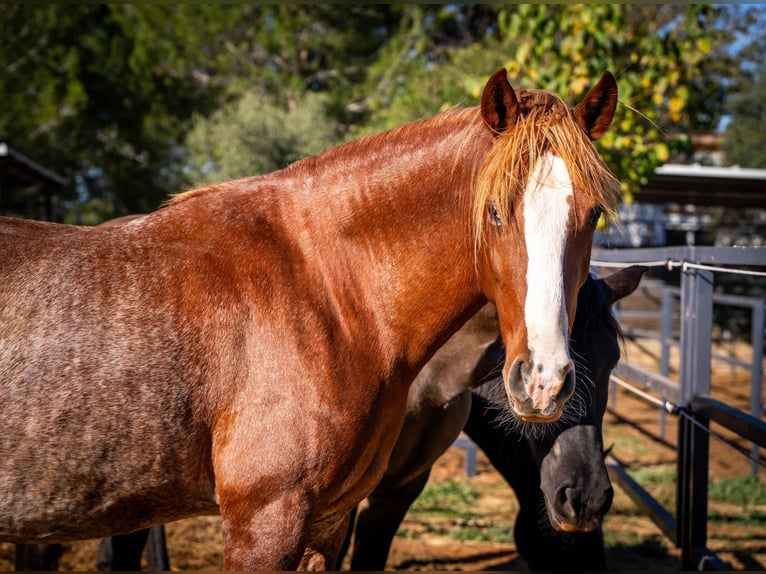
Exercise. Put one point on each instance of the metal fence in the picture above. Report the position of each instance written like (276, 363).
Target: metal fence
(690, 398)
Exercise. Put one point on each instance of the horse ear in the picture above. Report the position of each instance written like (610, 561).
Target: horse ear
(499, 106)
(623, 282)
(594, 113)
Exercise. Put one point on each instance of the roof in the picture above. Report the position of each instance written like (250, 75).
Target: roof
(16, 169)
(706, 185)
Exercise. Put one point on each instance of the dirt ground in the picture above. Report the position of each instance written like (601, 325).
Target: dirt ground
(633, 541)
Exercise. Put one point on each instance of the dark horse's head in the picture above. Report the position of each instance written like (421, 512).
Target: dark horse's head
(573, 477)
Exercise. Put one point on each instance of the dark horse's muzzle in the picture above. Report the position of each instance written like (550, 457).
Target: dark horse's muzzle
(574, 480)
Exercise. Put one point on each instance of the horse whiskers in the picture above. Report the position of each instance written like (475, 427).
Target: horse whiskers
(573, 412)
(581, 368)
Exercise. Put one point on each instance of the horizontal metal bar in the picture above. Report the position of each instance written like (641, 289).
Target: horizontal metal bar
(658, 514)
(737, 300)
(638, 313)
(745, 425)
(707, 560)
(643, 334)
(639, 255)
(666, 387)
(732, 361)
(697, 254)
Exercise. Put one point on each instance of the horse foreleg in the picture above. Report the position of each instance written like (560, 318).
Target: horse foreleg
(379, 517)
(328, 538)
(271, 536)
(157, 550)
(122, 552)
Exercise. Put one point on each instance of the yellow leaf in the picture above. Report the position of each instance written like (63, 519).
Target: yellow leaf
(675, 107)
(704, 45)
(578, 85)
(662, 151)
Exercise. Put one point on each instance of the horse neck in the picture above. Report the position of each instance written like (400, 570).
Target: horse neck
(393, 227)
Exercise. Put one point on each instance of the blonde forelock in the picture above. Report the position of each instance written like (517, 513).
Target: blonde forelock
(544, 125)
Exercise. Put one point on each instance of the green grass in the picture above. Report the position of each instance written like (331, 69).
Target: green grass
(455, 501)
(746, 491)
(448, 499)
(488, 533)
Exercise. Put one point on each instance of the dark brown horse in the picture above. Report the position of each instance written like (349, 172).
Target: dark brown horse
(248, 348)
(557, 471)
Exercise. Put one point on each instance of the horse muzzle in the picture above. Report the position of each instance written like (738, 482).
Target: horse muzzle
(537, 393)
(575, 482)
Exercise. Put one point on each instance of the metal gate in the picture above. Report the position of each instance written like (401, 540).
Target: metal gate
(690, 398)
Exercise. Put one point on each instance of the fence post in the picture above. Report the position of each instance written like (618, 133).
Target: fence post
(756, 375)
(694, 380)
(666, 340)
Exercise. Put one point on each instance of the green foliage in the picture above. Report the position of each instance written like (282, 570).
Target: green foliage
(104, 94)
(253, 135)
(106, 91)
(107, 94)
(745, 138)
(656, 52)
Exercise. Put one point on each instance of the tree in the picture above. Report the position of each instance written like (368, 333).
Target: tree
(745, 138)
(254, 135)
(102, 93)
(656, 52)
(105, 93)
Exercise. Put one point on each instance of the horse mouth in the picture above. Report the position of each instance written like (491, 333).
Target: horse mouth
(581, 528)
(524, 407)
(538, 418)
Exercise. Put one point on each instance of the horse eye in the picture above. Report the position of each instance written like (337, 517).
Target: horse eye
(495, 216)
(595, 215)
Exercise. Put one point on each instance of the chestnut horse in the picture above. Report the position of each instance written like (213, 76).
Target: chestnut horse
(248, 348)
(557, 471)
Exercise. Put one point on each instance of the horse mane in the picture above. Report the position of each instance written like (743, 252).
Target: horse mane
(545, 125)
(367, 148)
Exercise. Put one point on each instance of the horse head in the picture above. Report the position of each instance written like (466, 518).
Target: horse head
(542, 186)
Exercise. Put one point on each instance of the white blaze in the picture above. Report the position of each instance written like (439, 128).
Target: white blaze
(546, 215)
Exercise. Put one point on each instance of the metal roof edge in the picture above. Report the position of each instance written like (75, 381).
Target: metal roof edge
(8, 151)
(712, 172)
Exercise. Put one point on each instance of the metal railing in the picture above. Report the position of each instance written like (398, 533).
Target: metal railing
(689, 398)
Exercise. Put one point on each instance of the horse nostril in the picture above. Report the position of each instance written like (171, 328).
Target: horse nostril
(567, 388)
(515, 380)
(565, 502)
